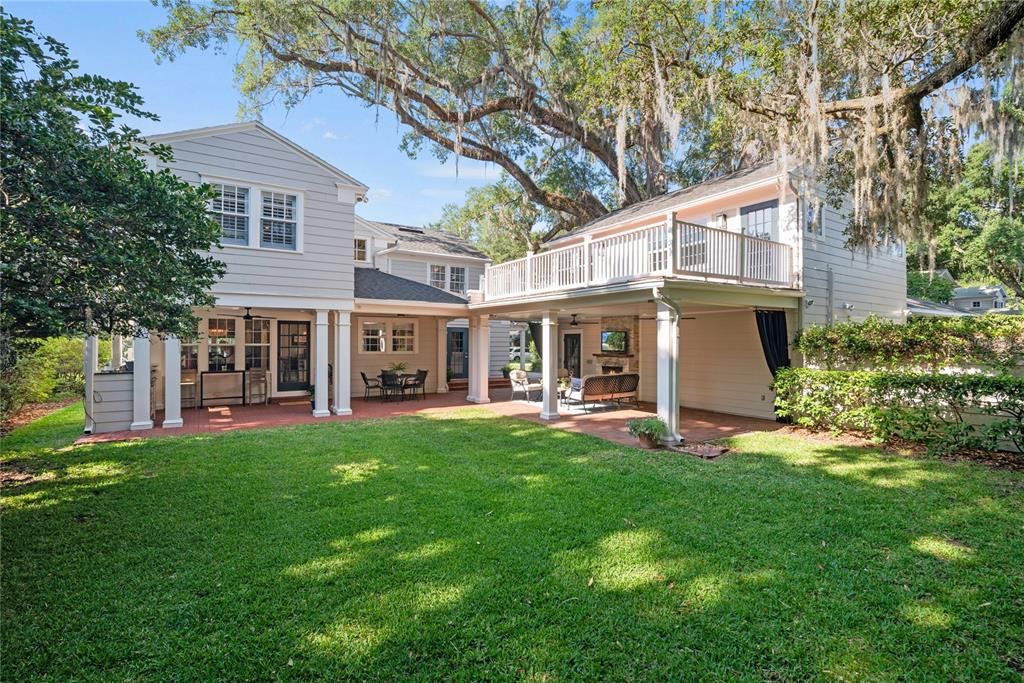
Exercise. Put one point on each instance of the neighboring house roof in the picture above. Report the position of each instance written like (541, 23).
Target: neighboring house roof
(925, 308)
(429, 241)
(670, 200)
(979, 292)
(942, 273)
(191, 133)
(371, 283)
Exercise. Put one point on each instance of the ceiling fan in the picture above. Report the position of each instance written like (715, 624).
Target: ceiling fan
(249, 316)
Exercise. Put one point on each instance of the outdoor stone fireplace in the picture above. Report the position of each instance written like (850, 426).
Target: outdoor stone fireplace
(613, 363)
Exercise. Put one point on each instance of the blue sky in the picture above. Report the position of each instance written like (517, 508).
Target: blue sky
(198, 89)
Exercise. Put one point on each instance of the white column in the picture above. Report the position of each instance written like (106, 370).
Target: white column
(89, 362)
(549, 364)
(140, 383)
(342, 363)
(668, 371)
(116, 352)
(442, 355)
(474, 370)
(480, 358)
(172, 382)
(524, 350)
(320, 366)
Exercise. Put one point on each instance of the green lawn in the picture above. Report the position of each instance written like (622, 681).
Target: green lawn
(474, 547)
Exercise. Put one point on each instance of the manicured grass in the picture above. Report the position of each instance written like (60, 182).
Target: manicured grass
(475, 547)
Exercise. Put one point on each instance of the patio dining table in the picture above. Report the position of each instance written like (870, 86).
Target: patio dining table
(403, 378)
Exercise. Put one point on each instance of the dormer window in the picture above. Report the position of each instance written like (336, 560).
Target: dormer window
(359, 252)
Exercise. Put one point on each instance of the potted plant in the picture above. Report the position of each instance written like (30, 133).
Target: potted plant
(398, 367)
(649, 430)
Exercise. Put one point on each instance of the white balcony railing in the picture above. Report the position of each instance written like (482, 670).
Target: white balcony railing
(682, 250)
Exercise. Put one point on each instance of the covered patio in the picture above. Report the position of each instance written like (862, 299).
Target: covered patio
(609, 423)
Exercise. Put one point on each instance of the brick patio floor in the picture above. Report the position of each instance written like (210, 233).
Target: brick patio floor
(695, 425)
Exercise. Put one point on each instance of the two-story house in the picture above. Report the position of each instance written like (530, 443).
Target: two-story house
(693, 292)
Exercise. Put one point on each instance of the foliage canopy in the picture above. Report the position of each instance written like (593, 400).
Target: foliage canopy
(91, 238)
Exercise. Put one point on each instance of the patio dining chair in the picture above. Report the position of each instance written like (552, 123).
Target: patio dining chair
(417, 383)
(391, 386)
(370, 386)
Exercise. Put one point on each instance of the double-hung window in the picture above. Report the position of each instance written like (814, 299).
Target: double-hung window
(279, 220)
(359, 251)
(403, 337)
(257, 344)
(373, 337)
(221, 343)
(457, 279)
(230, 208)
(438, 277)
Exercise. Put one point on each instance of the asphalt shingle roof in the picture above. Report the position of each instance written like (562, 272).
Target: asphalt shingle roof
(671, 199)
(983, 291)
(371, 283)
(430, 241)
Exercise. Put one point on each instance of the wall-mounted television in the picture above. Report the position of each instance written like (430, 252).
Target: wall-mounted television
(614, 341)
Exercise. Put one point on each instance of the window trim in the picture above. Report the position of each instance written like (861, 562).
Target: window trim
(246, 344)
(444, 275)
(256, 190)
(247, 214)
(762, 206)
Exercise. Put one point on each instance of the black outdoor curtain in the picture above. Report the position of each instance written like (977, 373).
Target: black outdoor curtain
(771, 327)
(535, 329)
(572, 353)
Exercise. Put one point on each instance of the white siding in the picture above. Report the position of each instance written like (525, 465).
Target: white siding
(871, 284)
(324, 268)
(113, 404)
(722, 366)
(411, 270)
(499, 346)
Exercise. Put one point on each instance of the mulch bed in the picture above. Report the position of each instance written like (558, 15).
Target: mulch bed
(32, 412)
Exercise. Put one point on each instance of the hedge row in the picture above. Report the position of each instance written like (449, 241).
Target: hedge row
(945, 413)
(992, 341)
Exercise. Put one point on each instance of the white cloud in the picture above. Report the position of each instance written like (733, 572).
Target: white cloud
(330, 135)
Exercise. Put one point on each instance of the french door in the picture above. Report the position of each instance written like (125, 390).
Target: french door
(292, 355)
(458, 353)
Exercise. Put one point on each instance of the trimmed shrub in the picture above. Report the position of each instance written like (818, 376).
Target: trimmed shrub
(991, 341)
(944, 413)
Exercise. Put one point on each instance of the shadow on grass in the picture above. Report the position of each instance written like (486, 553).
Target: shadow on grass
(466, 545)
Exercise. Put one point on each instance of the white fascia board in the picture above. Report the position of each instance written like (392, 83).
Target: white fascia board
(241, 300)
(410, 308)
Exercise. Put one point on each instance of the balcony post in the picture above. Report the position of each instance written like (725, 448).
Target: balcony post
(342, 363)
(529, 270)
(586, 260)
(673, 231)
(320, 362)
(668, 369)
(742, 256)
(172, 382)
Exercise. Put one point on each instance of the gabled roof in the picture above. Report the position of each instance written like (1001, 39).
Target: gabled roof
(923, 307)
(666, 202)
(429, 241)
(371, 283)
(980, 291)
(192, 133)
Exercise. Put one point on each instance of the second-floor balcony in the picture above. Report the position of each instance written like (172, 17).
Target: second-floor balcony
(676, 249)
